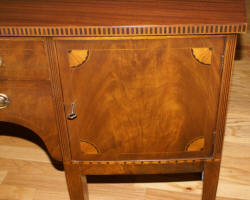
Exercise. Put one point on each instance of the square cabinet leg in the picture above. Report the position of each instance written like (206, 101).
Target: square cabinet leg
(77, 184)
(210, 180)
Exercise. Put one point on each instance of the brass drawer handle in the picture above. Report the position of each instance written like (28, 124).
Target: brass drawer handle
(4, 101)
(1, 61)
(72, 115)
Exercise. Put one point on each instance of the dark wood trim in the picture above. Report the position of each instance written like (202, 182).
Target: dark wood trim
(151, 168)
(189, 29)
(144, 167)
(148, 162)
(122, 13)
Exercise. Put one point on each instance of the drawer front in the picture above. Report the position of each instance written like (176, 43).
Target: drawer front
(141, 98)
(23, 59)
(29, 104)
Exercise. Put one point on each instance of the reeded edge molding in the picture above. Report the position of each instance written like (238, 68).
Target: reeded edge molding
(161, 162)
(188, 29)
(228, 65)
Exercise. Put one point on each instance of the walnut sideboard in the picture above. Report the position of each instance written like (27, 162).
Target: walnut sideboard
(121, 87)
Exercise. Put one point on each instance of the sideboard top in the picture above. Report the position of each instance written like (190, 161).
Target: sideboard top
(121, 17)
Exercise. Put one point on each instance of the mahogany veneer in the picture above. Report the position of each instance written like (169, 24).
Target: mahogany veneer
(142, 89)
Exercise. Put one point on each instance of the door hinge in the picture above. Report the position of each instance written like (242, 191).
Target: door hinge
(213, 139)
(222, 62)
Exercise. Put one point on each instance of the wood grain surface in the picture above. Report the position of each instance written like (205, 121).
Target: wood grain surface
(26, 172)
(145, 97)
(25, 96)
(120, 12)
(120, 18)
(23, 59)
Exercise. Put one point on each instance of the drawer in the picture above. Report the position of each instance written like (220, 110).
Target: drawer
(29, 104)
(140, 98)
(23, 59)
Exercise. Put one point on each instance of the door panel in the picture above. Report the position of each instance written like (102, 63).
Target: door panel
(140, 98)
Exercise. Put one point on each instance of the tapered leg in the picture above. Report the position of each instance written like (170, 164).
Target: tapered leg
(210, 180)
(77, 184)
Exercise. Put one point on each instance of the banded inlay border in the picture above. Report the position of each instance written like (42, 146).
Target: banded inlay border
(162, 162)
(122, 30)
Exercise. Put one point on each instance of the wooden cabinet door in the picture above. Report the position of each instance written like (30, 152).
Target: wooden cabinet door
(141, 98)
